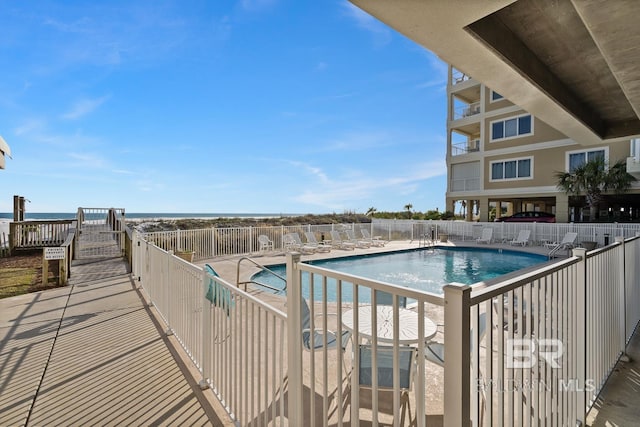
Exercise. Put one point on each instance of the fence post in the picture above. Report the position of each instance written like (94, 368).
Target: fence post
(457, 378)
(294, 338)
(582, 307)
(623, 281)
(206, 332)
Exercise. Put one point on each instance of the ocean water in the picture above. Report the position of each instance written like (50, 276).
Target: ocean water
(144, 215)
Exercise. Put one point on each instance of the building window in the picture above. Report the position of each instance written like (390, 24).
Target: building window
(579, 158)
(512, 169)
(495, 96)
(511, 128)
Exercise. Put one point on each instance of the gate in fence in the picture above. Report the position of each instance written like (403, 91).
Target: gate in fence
(101, 233)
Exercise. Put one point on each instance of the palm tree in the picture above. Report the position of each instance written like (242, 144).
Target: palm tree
(592, 179)
(371, 211)
(408, 208)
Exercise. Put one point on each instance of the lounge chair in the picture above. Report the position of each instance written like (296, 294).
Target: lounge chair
(351, 237)
(385, 371)
(522, 239)
(265, 243)
(567, 242)
(337, 242)
(312, 241)
(487, 236)
(292, 242)
(375, 241)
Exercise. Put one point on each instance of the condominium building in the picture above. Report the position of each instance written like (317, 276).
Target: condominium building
(553, 82)
(502, 159)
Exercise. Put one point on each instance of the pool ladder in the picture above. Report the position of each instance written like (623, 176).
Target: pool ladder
(263, 268)
(426, 241)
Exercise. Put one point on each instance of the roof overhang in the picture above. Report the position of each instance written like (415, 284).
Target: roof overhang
(573, 64)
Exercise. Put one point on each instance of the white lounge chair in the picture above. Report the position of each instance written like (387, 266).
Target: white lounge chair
(522, 239)
(337, 242)
(487, 236)
(375, 241)
(312, 241)
(351, 236)
(567, 242)
(292, 242)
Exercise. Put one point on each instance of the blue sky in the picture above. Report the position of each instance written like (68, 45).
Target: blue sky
(254, 106)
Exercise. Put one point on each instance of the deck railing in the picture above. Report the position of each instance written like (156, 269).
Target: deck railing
(37, 234)
(236, 341)
(552, 337)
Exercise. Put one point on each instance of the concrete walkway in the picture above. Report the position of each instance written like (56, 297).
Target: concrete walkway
(93, 353)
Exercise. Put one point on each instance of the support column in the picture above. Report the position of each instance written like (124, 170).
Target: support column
(498, 209)
(469, 216)
(562, 207)
(484, 209)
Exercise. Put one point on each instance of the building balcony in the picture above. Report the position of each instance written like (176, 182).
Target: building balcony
(464, 111)
(466, 147)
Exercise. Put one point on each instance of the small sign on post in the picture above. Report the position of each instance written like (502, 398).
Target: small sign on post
(55, 253)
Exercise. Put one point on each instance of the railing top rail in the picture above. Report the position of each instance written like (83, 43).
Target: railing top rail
(485, 291)
(226, 284)
(604, 249)
(375, 284)
(43, 221)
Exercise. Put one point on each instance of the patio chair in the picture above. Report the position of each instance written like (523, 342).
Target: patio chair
(487, 236)
(216, 294)
(337, 242)
(265, 243)
(312, 241)
(375, 241)
(313, 339)
(351, 237)
(567, 242)
(292, 242)
(384, 371)
(522, 239)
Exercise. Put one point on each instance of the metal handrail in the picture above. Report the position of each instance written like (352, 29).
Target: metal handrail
(263, 268)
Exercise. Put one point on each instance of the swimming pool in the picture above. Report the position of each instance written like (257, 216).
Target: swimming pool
(422, 269)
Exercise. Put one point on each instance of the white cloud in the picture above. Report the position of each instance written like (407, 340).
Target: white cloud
(83, 107)
(356, 188)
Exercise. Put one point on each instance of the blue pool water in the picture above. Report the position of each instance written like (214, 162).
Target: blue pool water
(423, 269)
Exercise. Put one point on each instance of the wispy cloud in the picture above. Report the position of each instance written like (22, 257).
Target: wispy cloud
(381, 34)
(345, 191)
(83, 107)
(321, 66)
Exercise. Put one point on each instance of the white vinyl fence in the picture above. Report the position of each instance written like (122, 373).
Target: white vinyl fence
(237, 342)
(550, 339)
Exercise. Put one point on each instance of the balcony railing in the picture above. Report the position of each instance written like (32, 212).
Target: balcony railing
(458, 77)
(466, 111)
(459, 148)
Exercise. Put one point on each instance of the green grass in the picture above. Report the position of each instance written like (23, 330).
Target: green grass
(16, 281)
